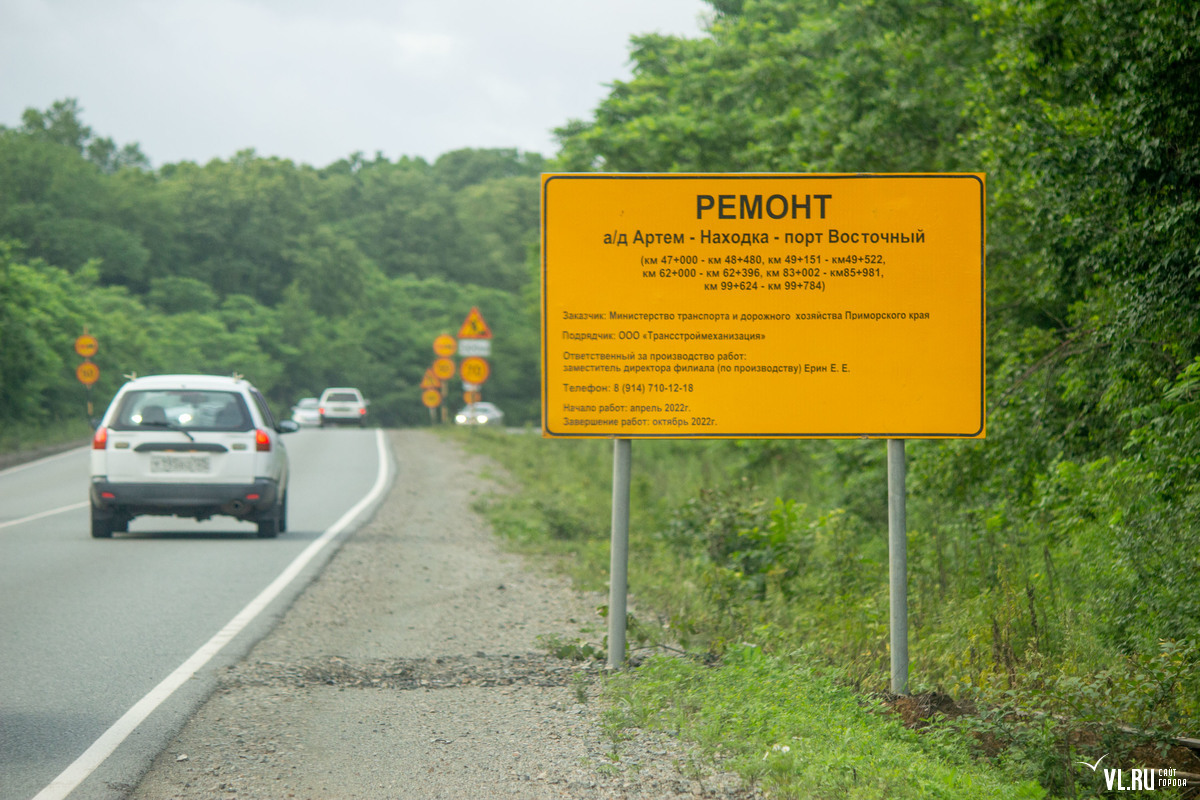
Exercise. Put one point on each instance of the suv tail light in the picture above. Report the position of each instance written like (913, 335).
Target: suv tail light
(100, 439)
(262, 441)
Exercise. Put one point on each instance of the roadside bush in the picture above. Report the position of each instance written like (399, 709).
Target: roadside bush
(793, 729)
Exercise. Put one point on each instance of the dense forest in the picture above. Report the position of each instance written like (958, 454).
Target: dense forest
(1068, 540)
(1056, 562)
(297, 277)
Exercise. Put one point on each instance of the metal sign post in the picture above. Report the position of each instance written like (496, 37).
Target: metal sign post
(87, 372)
(618, 570)
(898, 564)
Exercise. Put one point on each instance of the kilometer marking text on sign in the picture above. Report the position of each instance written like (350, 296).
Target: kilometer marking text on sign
(808, 306)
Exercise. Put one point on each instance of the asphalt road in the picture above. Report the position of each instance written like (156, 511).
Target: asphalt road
(107, 646)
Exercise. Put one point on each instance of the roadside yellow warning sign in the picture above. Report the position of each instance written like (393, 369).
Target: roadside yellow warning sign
(763, 305)
(474, 370)
(86, 345)
(430, 380)
(445, 345)
(474, 327)
(87, 373)
(444, 368)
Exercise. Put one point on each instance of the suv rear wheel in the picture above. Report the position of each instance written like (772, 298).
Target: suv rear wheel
(268, 525)
(102, 524)
(274, 522)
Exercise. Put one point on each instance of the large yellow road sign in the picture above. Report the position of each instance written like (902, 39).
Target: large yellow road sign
(763, 306)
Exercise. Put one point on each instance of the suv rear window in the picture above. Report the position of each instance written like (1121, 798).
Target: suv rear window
(183, 409)
(342, 397)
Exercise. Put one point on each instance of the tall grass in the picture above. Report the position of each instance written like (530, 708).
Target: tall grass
(783, 544)
(789, 728)
(19, 438)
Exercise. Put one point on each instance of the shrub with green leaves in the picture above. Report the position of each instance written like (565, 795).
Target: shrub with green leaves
(789, 727)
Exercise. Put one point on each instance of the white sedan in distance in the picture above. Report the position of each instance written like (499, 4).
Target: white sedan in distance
(306, 412)
(342, 405)
(481, 413)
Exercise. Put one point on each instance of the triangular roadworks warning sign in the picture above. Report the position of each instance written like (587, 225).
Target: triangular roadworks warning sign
(431, 381)
(474, 327)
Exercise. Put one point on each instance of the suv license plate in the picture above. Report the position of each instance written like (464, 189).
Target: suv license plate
(169, 462)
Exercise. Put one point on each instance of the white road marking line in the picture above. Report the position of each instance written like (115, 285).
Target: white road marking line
(41, 514)
(103, 747)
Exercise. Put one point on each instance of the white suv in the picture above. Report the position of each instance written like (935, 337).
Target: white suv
(342, 404)
(189, 446)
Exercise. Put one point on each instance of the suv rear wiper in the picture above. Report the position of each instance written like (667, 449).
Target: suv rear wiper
(170, 426)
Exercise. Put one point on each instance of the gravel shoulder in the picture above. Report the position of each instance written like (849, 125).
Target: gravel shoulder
(411, 668)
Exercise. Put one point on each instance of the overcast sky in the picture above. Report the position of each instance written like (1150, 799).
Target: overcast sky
(316, 80)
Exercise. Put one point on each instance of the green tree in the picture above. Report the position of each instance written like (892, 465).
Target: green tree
(41, 314)
(1085, 118)
(61, 207)
(792, 86)
(499, 219)
(243, 217)
(331, 272)
(60, 124)
(460, 169)
(175, 295)
(110, 158)
(1088, 118)
(404, 221)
